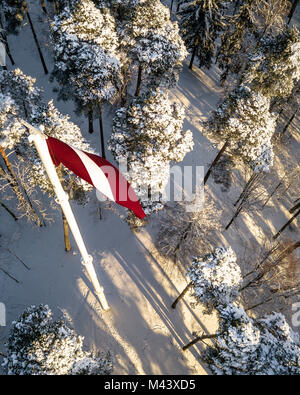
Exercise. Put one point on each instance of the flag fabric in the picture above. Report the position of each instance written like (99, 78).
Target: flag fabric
(98, 172)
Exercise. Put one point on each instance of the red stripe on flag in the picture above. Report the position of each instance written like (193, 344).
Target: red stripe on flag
(123, 193)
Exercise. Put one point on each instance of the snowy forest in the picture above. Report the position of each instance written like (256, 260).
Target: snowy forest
(208, 282)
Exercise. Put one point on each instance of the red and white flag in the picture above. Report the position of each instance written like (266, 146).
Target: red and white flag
(98, 172)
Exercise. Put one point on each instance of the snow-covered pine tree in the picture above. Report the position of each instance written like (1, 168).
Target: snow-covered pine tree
(184, 232)
(274, 67)
(154, 45)
(237, 34)
(15, 12)
(248, 346)
(123, 12)
(86, 64)
(214, 278)
(22, 90)
(252, 20)
(244, 122)
(201, 21)
(38, 345)
(148, 134)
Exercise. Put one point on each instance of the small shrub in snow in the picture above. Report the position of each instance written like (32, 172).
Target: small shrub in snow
(185, 233)
(37, 345)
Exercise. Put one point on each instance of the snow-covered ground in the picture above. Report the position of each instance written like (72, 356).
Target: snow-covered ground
(141, 330)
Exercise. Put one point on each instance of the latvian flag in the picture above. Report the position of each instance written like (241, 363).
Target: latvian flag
(98, 172)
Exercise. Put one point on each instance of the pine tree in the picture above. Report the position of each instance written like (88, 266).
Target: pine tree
(214, 278)
(248, 346)
(37, 345)
(274, 67)
(153, 44)
(252, 20)
(243, 120)
(201, 21)
(86, 66)
(237, 35)
(148, 134)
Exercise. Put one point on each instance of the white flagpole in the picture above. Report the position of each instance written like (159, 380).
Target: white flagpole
(39, 140)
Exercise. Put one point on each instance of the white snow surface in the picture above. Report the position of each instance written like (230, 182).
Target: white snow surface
(141, 331)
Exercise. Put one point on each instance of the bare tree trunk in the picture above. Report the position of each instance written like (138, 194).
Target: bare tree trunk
(287, 252)
(289, 122)
(124, 94)
(171, 5)
(259, 304)
(194, 53)
(9, 275)
(239, 209)
(183, 293)
(289, 292)
(246, 188)
(44, 6)
(8, 210)
(260, 274)
(102, 149)
(91, 125)
(198, 339)
(294, 5)
(35, 38)
(273, 193)
(8, 164)
(218, 157)
(139, 81)
(294, 208)
(178, 5)
(101, 131)
(286, 225)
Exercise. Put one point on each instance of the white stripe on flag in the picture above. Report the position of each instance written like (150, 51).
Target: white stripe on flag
(97, 176)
